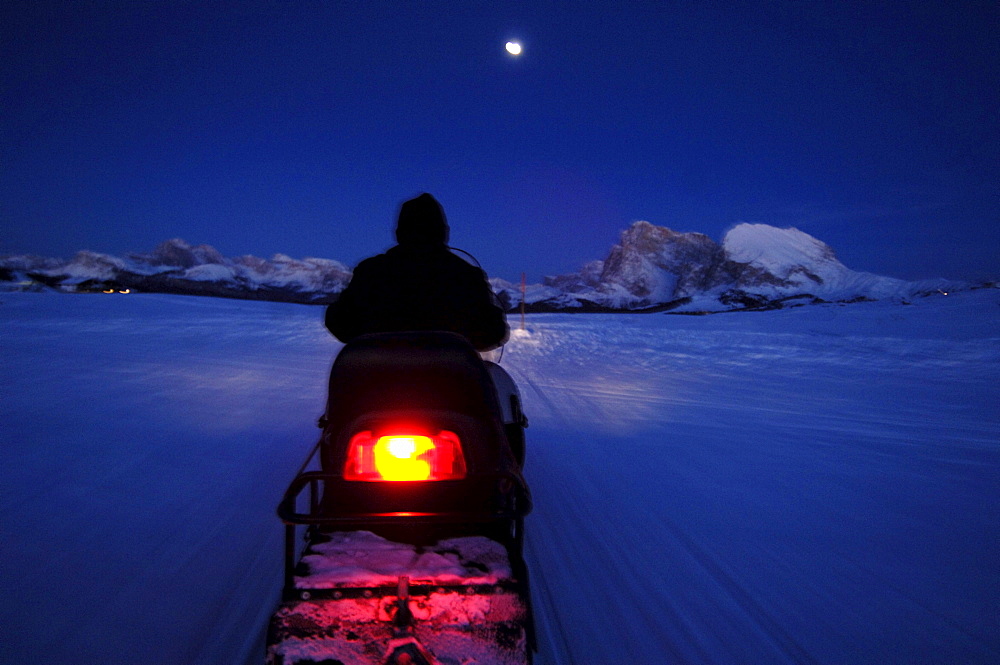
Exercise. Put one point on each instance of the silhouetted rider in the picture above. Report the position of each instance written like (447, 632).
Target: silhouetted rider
(419, 285)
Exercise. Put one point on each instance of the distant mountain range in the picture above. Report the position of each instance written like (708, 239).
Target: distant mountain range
(177, 267)
(651, 268)
(756, 267)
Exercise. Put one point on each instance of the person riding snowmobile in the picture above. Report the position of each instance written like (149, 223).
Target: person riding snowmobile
(419, 285)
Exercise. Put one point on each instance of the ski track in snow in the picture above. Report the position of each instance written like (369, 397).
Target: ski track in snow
(818, 485)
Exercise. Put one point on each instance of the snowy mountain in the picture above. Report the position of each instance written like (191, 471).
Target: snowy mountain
(756, 266)
(797, 262)
(650, 268)
(178, 267)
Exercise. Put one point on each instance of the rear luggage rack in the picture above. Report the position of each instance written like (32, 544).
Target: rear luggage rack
(322, 485)
(387, 591)
(434, 620)
(318, 512)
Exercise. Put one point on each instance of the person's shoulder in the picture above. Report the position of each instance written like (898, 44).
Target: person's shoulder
(371, 263)
(463, 264)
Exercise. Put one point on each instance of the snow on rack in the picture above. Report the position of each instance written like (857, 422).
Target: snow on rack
(363, 559)
(457, 623)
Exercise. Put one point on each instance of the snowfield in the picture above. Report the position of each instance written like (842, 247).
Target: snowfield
(814, 485)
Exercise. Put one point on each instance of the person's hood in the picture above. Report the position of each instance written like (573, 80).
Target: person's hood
(422, 222)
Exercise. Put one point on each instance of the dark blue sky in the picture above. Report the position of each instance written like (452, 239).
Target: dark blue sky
(300, 126)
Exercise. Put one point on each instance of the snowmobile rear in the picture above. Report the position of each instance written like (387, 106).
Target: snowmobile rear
(413, 523)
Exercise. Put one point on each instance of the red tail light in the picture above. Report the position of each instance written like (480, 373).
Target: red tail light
(404, 457)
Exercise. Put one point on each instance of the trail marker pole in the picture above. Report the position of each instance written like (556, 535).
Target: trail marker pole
(524, 290)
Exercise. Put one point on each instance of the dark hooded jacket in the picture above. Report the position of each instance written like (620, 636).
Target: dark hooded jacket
(419, 285)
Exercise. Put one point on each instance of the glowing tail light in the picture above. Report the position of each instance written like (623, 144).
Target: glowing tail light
(404, 457)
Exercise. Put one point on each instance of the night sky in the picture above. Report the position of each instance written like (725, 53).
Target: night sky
(300, 126)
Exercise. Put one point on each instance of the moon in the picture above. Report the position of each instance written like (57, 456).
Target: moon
(513, 48)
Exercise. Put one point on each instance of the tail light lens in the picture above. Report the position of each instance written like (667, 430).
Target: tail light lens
(404, 456)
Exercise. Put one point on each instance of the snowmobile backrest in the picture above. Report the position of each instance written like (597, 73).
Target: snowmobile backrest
(438, 371)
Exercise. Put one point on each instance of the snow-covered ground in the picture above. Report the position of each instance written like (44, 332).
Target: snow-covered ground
(815, 485)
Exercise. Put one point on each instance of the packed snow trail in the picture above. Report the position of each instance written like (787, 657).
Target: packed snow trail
(817, 485)
(710, 495)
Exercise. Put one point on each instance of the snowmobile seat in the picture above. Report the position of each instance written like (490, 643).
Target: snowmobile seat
(419, 370)
(413, 373)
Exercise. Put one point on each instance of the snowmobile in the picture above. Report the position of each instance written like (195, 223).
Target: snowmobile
(413, 522)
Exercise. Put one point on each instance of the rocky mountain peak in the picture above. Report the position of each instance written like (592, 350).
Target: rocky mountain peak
(655, 263)
(177, 252)
(646, 238)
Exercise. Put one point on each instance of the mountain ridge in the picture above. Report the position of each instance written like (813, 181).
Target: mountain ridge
(756, 266)
(650, 268)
